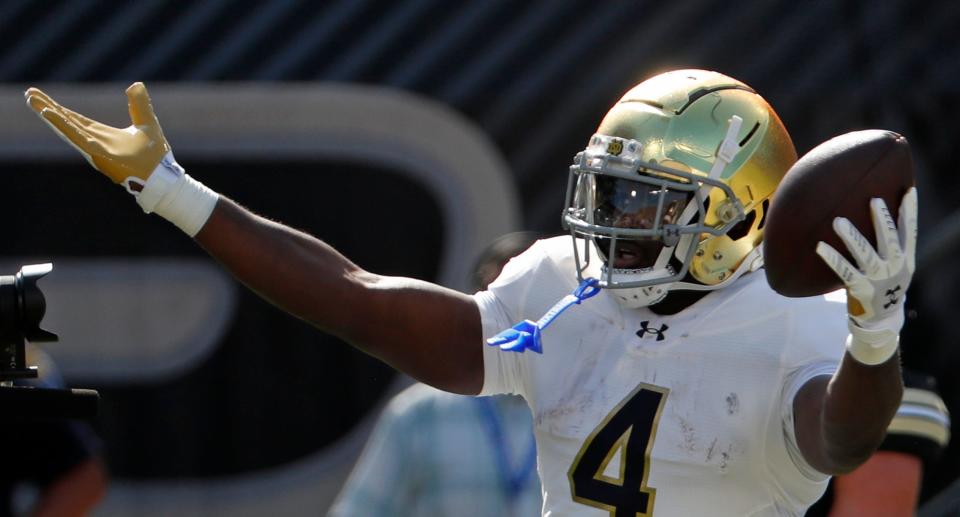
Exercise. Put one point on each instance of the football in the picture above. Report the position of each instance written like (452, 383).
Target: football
(836, 178)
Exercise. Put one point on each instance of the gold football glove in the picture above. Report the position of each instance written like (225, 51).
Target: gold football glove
(137, 157)
(127, 156)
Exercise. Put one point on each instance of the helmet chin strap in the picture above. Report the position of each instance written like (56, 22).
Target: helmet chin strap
(752, 262)
(727, 152)
(728, 148)
(637, 297)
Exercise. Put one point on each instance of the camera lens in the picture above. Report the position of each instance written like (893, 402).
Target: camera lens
(22, 306)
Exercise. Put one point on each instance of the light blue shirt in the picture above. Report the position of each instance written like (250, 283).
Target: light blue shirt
(435, 454)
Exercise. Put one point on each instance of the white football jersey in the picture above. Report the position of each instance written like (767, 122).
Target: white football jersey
(641, 414)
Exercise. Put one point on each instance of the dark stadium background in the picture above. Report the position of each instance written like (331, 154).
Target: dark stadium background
(534, 76)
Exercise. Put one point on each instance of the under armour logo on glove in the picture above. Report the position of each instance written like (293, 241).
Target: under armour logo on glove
(882, 275)
(645, 329)
(892, 297)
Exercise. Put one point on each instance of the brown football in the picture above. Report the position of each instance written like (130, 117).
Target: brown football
(836, 178)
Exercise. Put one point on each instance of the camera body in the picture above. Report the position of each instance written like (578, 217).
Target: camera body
(22, 307)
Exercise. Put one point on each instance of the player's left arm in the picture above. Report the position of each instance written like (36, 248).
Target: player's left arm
(841, 420)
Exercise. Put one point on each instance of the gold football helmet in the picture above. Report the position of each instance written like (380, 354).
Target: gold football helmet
(673, 189)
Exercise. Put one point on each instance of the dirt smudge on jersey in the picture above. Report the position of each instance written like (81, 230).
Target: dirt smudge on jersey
(568, 413)
(713, 445)
(555, 418)
(689, 444)
(725, 457)
(733, 404)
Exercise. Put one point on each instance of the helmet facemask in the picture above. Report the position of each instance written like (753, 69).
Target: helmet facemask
(643, 217)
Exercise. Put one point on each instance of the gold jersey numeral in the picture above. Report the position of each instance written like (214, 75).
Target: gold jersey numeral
(626, 433)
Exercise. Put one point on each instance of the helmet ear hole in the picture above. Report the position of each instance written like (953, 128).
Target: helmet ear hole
(746, 139)
(741, 229)
(763, 218)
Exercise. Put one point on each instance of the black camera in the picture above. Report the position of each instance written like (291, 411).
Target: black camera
(22, 306)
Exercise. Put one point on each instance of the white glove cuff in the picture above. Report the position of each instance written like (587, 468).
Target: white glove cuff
(178, 198)
(872, 347)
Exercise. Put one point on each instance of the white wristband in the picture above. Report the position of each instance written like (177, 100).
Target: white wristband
(872, 347)
(175, 196)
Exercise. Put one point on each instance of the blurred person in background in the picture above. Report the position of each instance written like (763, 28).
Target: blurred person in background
(49, 468)
(435, 453)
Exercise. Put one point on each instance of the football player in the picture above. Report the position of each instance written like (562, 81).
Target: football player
(686, 386)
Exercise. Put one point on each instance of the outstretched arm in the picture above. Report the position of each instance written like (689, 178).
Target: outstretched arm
(841, 420)
(427, 331)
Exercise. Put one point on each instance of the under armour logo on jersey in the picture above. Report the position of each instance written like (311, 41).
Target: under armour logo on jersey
(645, 329)
(891, 297)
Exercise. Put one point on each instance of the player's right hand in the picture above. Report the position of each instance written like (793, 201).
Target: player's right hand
(128, 156)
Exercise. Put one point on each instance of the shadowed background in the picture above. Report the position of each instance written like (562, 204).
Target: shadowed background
(528, 80)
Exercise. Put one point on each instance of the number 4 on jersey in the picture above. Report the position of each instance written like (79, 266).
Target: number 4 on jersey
(628, 430)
